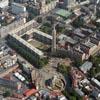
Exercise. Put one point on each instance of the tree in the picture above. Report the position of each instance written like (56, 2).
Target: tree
(77, 63)
(42, 62)
(98, 14)
(6, 93)
(51, 19)
(79, 22)
(72, 96)
(65, 93)
(75, 96)
(92, 72)
(96, 68)
(63, 69)
(46, 27)
(95, 60)
(39, 19)
(47, 24)
(60, 28)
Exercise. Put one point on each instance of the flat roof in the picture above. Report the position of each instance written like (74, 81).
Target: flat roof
(98, 21)
(63, 13)
(17, 4)
(89, 44)
(96, 81)
(23, 26)
(79, 51)
(37, 32)
(37, 51)
(67, 39)
(79, 33)
(79, 91)
(86, 66)
(8, 83)
(42, 33)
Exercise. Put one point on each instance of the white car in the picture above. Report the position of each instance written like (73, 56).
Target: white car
(19, 76)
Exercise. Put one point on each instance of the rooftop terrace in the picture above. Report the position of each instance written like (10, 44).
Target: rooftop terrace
(63, 13)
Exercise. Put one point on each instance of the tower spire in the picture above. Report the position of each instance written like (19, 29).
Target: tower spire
(54, 39)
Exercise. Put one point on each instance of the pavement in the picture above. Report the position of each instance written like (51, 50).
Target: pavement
(49, 71)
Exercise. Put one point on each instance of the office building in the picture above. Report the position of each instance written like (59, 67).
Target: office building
(42, 37)
(27, 50)
(18, 8)
(67, 3)
(4, 3)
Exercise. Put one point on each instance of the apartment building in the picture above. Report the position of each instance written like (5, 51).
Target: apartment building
(44, 6)
(24, 48)
(42, 37)
(6, 29)
(80, 45)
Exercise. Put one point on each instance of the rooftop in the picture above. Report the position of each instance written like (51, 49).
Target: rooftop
(17, 4)
(63, 13)
(38, 44)
(86, 66)
(37, 51)
(67, 39)
(96, 81)
(98, 21)
(89, 44)
(8, 83)
(43, 34)
(79, 33)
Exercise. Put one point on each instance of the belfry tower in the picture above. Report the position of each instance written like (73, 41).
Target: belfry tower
(54, 47)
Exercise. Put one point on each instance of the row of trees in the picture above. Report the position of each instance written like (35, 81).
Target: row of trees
(33, 59)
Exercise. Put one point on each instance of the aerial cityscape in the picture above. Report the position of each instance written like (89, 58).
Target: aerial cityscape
(49, 49)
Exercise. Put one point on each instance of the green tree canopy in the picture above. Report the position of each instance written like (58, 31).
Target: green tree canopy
(79, 22)
(6, 93)
(63, 69)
